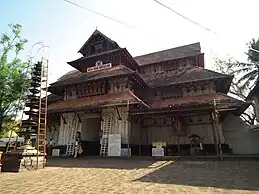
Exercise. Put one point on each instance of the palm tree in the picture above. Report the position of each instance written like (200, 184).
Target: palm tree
(249, 71)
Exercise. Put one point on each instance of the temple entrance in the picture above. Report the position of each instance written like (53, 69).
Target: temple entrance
(90, 138)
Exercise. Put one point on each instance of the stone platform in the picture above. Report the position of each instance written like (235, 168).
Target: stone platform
(21, 161)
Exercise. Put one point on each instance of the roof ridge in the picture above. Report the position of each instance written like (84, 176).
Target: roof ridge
(126, 68)
(168, 49)
(223, 74)
(95, 33)
(133, 95)
(136, 97)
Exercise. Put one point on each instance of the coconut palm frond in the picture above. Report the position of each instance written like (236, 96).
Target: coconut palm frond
(246, 85)
(250, 75)
(242, 70)
(242, 64)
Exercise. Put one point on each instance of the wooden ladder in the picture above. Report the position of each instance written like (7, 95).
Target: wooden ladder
(42, 122)
(70, 149)
(105, 137)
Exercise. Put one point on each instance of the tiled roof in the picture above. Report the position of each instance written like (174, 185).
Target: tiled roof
(52, 98)
(93, 102)
(96, 55)
(221, 100)
(79, 77)
(97, 32)
(70, 74)
(185, 75)
(169, 54)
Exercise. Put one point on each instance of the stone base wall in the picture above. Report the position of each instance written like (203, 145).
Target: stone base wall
(18, 162)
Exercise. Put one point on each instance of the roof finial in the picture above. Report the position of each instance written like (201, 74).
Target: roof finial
(96, 27)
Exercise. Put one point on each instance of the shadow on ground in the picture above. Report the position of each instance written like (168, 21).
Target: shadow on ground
(241, 175)
(220, 174)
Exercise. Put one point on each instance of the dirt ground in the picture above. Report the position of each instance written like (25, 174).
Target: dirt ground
(135, 176)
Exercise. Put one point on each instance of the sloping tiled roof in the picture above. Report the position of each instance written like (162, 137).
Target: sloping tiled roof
(169, 54)
(70, 74)
(93, 102)
(78, 77)
(52, 98)
(96, 32)
(221, 100)
(189, 74)
(96, 55)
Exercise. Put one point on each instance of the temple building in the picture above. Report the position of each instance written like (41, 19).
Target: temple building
(163, 99)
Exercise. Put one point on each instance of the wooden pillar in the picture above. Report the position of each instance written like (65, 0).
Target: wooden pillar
(178, 129)
(178, 145)
(215, 119)
(139, 145)
(214, 133)
(128, 128)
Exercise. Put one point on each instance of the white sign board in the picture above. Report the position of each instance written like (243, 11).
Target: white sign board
(55, 152)
(99, 67)
(124, 152)
(158, 152)
(114, 145)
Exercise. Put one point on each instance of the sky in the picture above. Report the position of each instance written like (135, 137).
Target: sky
(150, 27)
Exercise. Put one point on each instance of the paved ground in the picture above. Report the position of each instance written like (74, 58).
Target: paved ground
(135, 176)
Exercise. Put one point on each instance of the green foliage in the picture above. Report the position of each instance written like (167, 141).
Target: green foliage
(13, 80)
(253, 56)
(229, 67)
(250, 70)
(246, 75)
(10, 127)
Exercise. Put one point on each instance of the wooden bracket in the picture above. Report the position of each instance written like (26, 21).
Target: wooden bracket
(63, 118)
(79, 118)
(118, 113)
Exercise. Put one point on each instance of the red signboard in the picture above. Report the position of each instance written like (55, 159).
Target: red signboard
(99, 67)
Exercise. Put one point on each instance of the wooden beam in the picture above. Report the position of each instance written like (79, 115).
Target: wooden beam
(63, 118)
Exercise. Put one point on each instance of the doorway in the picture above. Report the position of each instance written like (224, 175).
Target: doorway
(90, 138)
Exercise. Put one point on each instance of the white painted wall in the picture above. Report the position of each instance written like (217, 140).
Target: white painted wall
(118, 126)
(53, 134)
(239, 137)
(68, 130)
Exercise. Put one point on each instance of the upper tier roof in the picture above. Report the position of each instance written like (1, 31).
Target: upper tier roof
(221, 100)
(190, 74)
(91, 38)
(169, 54)
(75, 77)
(94, 102)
